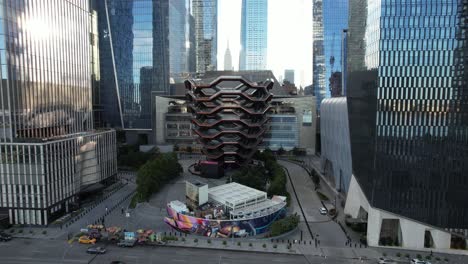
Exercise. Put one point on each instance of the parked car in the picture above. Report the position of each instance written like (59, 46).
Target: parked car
(86, 240)
(4, 237)
(126, 243)
(94, 233)
(117, 262)
(323, 211)
(417, 261)
(96, 250)
(386, 261)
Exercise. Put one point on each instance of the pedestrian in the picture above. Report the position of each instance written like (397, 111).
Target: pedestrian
(122, 210)
(431, 253)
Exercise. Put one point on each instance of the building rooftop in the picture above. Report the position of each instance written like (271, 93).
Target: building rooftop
(257, 210)
(235, 195)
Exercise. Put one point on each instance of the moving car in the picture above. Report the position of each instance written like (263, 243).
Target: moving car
(86, 240)
(96, 250)
(4, 237)
(323, 211)
(126, 243)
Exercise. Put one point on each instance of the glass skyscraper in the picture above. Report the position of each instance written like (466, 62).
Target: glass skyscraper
(140, 44)
(254, 27)
(205, 13)
(49, 151)
(178, 37)
(330, 17)
(408, 107)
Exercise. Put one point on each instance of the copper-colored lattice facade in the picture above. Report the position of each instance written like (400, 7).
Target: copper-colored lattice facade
(229, 117)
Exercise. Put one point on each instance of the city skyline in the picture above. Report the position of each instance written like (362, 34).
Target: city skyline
(291, 20)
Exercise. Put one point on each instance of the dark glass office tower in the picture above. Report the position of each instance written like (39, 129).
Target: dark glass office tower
(408, 107)
(330, 17)
(139, 32)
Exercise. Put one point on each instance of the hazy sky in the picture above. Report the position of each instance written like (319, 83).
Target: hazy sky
(289, 36)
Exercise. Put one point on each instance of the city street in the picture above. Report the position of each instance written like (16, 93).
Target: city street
(57, 251)
(329, 232)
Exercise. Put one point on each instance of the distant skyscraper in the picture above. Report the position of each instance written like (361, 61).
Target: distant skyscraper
(140, 43)
(192, 56)
(49, 150)
(289, 76)
(205, 13)
(227, 59)
(330, 17)
(407, 95)
(344, 55)
(254, 27)
(178, 39)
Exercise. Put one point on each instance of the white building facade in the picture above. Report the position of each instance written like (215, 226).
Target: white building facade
(336, 150)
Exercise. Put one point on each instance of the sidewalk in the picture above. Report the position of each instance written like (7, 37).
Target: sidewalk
(88, 215)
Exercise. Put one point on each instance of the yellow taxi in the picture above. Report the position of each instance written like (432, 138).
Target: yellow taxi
(86, 240)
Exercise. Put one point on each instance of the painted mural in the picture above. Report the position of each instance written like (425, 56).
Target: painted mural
(221, 228)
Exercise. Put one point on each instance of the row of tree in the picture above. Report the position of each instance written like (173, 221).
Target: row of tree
(155, 173)
(131, 157)
(259, 177)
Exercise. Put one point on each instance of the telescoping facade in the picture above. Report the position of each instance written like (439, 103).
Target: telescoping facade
(229, 117)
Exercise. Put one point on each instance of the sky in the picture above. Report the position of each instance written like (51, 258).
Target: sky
(289, 36)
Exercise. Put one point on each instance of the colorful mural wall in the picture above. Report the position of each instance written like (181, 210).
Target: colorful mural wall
(221, 228)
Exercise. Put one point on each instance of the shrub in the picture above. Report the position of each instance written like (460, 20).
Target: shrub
(322, 196)
(209, 241)
(224, 242)
(384, 254)
(250, 244)
(44, 232)
(437, 258)
(407, 255)
(31, 232)
(418, 256)
(275, 246)
(264, 245)
(428, 257)
(20, 231)
(169, 238)
(195, 240)
(239, 243)
(446, 259)
(284, 225)
(183, 239)
(398, 254)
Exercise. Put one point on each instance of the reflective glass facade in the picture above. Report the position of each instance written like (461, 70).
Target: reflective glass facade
(178, 37)
(205, 14)
(49, 74)
(408, 107)
(45, 87)
(330, 17)
(254, 27)
(139, 31)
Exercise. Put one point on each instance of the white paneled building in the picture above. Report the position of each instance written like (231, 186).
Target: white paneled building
(336, 149)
